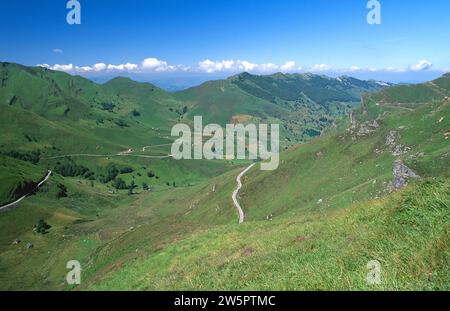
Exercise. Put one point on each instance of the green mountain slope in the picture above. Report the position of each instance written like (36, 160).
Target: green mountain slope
(406, 233)
(47, 115)
(411, 95)
(333, 211)
(303, 105)
(17, 178)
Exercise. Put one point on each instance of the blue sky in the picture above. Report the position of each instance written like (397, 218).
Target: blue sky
(155, 39)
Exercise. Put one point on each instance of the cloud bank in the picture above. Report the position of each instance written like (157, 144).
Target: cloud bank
(209, 66)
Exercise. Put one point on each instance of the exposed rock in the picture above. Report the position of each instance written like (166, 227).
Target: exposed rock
(17, 241)
(29, 245)
(391, 138)
(401, 170)
(391, 143)
(364, 129)
(401, 175)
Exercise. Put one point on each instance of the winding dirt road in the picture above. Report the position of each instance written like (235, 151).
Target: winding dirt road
(126, 153)
(10, 205)
(148, 147)
(235, 193)
(107, 156)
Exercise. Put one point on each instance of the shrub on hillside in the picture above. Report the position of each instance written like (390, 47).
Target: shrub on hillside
(121, 123)
(119, 184)
(32, 156)
(62, 191)
(126, 170)
(107, 107)
(71, 169)
(110, 173)
(42, 227)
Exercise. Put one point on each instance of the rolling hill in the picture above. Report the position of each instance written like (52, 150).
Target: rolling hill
(47, 115)
(303, 105)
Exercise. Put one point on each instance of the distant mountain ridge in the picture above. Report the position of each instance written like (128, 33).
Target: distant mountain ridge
(304, 105)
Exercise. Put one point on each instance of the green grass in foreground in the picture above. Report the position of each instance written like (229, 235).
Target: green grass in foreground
(407, 233)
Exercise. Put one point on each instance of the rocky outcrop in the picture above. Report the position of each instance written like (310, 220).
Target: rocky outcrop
(363, 129)
(402, 174)
(395, 148)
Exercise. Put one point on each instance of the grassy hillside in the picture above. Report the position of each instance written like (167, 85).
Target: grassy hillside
(406, 233)
(47, 115)
(17, 178)
(411, 95)
(333, 212)
(303, 105)
(322, 90)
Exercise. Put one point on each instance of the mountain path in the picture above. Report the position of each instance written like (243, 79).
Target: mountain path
(235, 193)
(107, 156)
(126, 153)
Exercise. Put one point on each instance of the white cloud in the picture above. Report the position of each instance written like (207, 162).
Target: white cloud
(288, 66)
(84, 68)
(99, 67)
(393, 69)
(320, 67)
(232, 66)
(421, 65)
(59, 67)
(123, 67)
(354, 68)
(269, 67)
(149, 64)
(210, 66)
(154, 64)
(183, 68)
(246, 65)
(58, 51)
